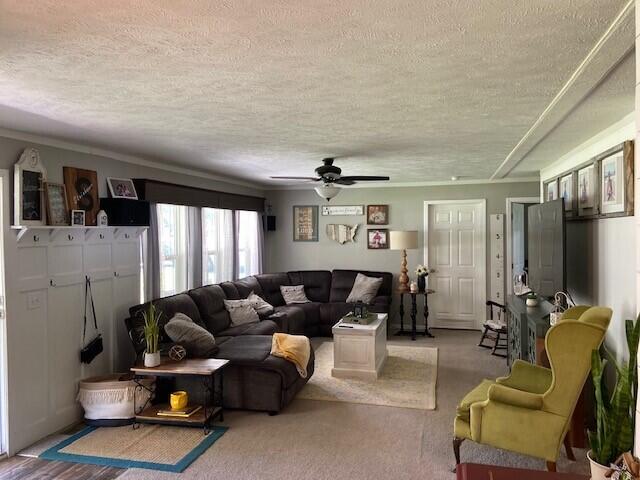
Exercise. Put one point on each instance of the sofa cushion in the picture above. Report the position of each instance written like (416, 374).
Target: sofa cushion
(230, 291)
(270, 284)
(364, 289)
(265, 327)
(301, 316)
(198, 342)
(247, 285)
(260, 305)
(241, 312)
(293, 294)
(317, 283)
(168, 306)
(254, 351)
(342, 283)
(210, 302)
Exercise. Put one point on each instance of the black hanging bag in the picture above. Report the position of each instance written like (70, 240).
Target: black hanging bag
(94, 347)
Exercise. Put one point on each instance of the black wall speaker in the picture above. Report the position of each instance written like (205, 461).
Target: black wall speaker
(271, 223)
(126, 212)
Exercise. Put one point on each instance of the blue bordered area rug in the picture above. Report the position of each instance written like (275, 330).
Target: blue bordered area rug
(153, 447)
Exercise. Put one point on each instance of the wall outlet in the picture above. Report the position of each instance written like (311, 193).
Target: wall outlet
(34, 300)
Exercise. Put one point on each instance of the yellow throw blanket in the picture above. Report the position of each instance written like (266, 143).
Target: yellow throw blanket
(295, 348)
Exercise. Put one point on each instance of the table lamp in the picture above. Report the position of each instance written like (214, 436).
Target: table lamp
(403, 240)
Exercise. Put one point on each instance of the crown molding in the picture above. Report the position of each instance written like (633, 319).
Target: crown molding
(123, 157)
(611, 48)
(447, 183)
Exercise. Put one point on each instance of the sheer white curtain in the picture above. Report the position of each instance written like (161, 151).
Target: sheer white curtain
(217, 245)
(249, 243)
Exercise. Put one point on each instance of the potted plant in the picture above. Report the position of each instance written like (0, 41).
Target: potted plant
(615, 415)
(422, 272)
(532, 300)
(151, 334)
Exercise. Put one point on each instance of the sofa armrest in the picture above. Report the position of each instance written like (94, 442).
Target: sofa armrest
(280, 319)
(527, 377)
(512, 396)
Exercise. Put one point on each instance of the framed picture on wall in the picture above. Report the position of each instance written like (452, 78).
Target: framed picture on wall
(616, 180)
(57, 207)
(566, 184)
(551, 190)
(29, 176)
(378, 239)
(377, 214)
(305, 223)
(587, 191)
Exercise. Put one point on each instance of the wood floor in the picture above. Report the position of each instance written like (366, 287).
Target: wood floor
(18, 468)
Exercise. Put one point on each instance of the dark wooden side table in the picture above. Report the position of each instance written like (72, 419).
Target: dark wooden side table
(209, 371)
(414, 311)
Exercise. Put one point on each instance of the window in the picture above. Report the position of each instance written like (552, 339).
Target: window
(217, 245)
(172, 227)
(249, 262)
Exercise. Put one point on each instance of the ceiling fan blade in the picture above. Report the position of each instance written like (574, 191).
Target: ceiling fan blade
(342, 181)
(312, 179)
(364, 178)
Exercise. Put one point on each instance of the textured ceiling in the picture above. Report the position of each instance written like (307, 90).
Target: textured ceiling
(612, 100)
(418, 90)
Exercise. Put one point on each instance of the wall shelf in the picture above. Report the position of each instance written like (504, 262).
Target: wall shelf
(89, 232)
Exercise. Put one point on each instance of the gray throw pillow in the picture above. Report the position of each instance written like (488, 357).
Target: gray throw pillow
(259, 304)
(364, 289)
(197, 341)
(293, 294)
(241, 312)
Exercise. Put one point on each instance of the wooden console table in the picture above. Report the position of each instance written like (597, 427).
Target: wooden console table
(414, 312)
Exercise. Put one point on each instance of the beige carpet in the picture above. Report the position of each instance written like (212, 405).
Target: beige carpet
(407, 380)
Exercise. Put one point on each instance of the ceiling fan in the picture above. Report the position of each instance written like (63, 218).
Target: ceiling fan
(331, 176)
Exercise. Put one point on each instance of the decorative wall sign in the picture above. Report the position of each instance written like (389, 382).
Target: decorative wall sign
(378, 214)
(342, 233)
(587, 191)
(28, 177)
(305, 223)
(378, 239)
(616, 180)
(122, 188)
(82, 191)
(57, 207)
(336, 210)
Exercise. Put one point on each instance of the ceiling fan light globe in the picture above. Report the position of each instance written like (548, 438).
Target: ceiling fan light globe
(327, 191)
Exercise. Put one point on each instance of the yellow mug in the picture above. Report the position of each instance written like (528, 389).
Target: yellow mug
(179, 400)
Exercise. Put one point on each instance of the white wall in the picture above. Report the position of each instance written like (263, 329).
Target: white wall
(601, 253)
(36, 406)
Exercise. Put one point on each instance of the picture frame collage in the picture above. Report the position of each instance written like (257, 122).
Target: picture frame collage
(602, 187)
(306, 222)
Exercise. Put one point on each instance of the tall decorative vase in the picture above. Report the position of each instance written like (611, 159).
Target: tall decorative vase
(421, 283)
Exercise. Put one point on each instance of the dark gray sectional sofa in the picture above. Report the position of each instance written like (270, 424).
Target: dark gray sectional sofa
(256, 380)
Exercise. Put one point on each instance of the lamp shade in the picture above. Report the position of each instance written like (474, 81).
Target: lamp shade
(327, 191)
(403, 239)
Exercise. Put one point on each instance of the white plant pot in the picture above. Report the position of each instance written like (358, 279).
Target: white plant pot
(151, 359)
(532, 302)
(597, 471)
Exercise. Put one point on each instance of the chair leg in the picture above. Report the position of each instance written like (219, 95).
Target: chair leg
(567, 447)
(551, 466)
(456, 448)
(484, 335)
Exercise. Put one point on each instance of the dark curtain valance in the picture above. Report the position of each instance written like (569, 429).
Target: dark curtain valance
(162, 192)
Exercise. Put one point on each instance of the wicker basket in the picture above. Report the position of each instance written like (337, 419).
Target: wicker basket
(108, 400)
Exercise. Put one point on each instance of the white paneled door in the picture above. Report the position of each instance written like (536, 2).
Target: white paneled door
(456, 254)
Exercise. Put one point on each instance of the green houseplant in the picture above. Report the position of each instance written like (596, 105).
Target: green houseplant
(151, 335)
(614, 412)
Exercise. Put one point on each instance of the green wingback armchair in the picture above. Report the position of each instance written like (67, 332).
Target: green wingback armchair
(530, 410)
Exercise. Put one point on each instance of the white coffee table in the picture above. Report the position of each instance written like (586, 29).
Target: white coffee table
(359, 351)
